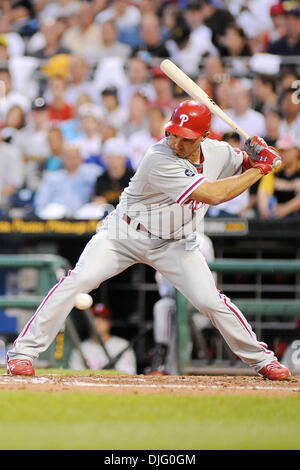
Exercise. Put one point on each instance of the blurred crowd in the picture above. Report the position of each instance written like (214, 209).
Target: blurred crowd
(82, 96)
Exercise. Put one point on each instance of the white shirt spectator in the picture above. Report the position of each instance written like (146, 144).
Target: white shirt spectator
(252, 121)
(290, 129)
(130, 18)
(138, 143)
(97, 359)
(11, 169)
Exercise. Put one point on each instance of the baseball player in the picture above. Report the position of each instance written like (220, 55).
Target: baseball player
(156, 222)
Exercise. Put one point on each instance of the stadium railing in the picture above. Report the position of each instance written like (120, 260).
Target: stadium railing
(257, 307)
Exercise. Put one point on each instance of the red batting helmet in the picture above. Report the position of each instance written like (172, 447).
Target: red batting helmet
(102, 310)
(190, 120)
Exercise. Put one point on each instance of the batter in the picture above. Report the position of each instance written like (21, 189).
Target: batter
(157, 222)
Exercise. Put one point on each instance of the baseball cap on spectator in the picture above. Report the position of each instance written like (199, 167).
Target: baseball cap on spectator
(115, 146)
(277, 10)
(286, 142)
(38, 103)
(291, 7)
(102, 310)
(112, 90)
(194, 5)
(57, 65)
(156, 72)
(3, 40)
(265, 64)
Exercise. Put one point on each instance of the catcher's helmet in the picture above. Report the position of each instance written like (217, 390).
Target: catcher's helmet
(190, 120)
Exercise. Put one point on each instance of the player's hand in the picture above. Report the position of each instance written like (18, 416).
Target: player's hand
(267, 160)
(254, 145)
(261, 155)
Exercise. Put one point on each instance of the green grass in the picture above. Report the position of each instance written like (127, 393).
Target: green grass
(78, 420)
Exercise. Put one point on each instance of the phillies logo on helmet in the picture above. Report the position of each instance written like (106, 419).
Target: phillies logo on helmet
(183, 118)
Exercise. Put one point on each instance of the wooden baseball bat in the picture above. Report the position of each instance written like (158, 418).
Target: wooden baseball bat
(194, 90)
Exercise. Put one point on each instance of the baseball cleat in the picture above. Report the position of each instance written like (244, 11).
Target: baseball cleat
(20, 367)
(275, 371)
(157, 372)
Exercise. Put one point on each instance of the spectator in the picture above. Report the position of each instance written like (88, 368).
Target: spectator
(51, 36)
(37, 147)
(79, 80)
(241, 113)
(214, 70)
(172, 21)
(90, 142)
(117, 175)
(71, 128)
(234, 42)
(14, 128)
(221, 94)
(127, 18)
(111, 46)
(151, 40)
(84, 38)
(201, 35)
(66, 190)
(216, 19)
(15, 43)
(290, 107)
(248, 210)
(272, 121)
(290, 356)
(56, 147)
(3, 48)
(138, 81)
(163, 89)
(279, 193)
(114, 114)
(140, 141)
(289, 44)
(288, 79)
(23, 20)
(195, 41)
(264, 92)
(58, 109)
(242, 205)
(12, 173)
(279, 24)
(9, 96)
(138, 115)
(93, 351)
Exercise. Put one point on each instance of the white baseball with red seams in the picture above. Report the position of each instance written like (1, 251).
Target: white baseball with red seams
(83, 301)
(155, 223)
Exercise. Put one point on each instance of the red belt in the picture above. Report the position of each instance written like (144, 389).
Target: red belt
(139, 226)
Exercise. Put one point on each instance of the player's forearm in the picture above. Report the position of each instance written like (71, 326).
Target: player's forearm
(216, 192)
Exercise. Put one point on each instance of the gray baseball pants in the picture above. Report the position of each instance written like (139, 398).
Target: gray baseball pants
(115, 247)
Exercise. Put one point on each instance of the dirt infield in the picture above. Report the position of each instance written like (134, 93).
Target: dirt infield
(179, 385)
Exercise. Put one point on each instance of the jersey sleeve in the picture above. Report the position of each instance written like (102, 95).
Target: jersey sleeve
(175, 180)
(236, 160)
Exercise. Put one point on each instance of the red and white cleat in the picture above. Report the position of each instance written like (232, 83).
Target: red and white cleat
(275, 371)
(20, 367)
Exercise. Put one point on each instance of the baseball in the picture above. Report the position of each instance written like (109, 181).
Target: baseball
(83, 301)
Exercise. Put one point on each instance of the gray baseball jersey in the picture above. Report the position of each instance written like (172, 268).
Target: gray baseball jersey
(158, 194)
(151, 225)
